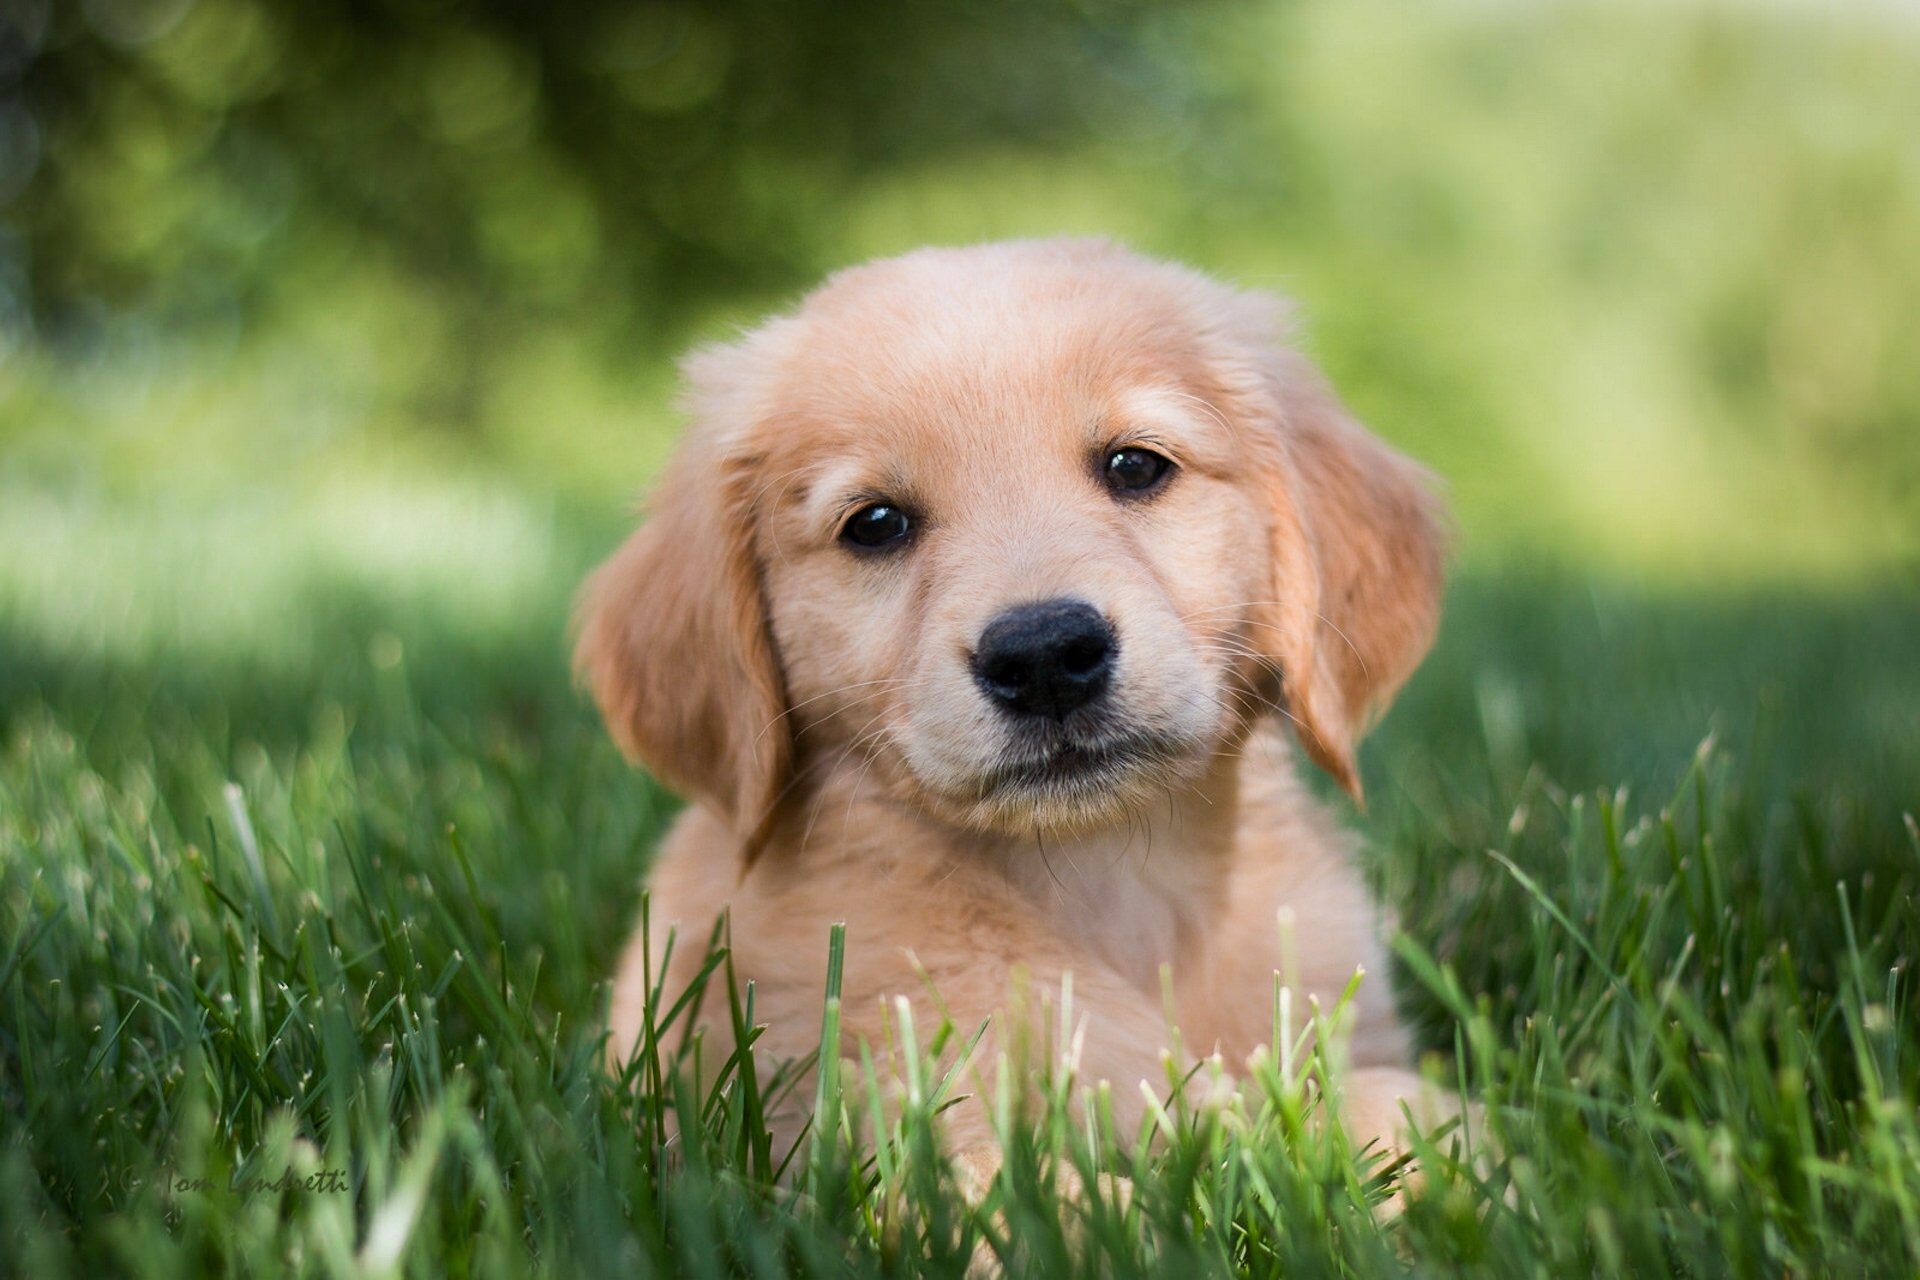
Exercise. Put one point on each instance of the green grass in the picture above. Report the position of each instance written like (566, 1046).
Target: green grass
(356, 912)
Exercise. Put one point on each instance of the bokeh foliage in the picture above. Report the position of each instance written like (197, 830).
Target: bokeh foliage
(512, 155)
(1636, 280)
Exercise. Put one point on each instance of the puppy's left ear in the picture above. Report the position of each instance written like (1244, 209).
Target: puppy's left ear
(1357, 550)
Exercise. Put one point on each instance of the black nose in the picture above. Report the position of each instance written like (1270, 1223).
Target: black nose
(1046, 658)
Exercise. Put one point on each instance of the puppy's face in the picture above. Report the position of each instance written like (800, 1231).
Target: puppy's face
(1013, 555)
(1027, 534)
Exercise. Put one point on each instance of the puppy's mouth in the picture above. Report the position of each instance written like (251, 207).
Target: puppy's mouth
(1072, 764)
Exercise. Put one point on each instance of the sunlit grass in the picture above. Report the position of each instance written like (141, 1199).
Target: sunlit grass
(241, 573)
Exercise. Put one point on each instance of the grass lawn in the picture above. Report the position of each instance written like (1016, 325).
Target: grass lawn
(350, 914)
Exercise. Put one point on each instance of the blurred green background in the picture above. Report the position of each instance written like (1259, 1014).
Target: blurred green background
(310, 297)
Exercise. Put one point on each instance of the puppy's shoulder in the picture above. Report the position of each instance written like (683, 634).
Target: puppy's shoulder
(697, 868)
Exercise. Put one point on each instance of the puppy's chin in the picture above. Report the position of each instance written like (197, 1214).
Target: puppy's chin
(1069, 788)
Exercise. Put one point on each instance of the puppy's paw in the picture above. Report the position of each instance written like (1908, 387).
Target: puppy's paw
(1382, 1108)
(976, 1169)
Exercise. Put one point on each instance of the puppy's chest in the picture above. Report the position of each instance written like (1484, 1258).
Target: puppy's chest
(1133, 913)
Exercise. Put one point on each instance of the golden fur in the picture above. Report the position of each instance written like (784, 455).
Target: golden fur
(816, 705)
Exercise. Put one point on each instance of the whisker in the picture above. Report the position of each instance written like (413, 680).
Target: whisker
(859, 740)
(1040, 842)
(858, 684)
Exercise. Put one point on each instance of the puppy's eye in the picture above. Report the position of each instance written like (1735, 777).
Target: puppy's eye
(876, 526)
(1135, 471)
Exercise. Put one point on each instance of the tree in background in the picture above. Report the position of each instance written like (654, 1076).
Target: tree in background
(190, 157)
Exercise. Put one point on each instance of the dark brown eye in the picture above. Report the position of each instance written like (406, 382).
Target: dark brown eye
(877, 526)
(1135, 470)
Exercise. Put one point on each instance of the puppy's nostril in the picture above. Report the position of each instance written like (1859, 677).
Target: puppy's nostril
(1083, 656)
(1045, 659)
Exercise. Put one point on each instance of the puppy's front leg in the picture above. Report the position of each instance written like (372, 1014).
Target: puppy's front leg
(1381, 1106)
(1078, 1018)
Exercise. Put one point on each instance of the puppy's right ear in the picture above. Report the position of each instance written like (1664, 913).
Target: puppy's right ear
(674, 640)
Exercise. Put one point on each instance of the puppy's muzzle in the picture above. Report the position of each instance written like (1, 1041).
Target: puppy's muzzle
(1046, 659)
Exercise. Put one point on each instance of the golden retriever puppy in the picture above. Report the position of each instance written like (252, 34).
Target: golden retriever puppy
(977, 611)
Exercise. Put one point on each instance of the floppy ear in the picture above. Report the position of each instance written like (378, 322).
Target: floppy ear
(1357, 555)
(674, 640)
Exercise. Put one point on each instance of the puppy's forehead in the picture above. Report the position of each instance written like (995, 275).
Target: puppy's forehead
(947, 360)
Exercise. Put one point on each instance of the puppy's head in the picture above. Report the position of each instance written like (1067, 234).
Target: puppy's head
(1025, 533)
